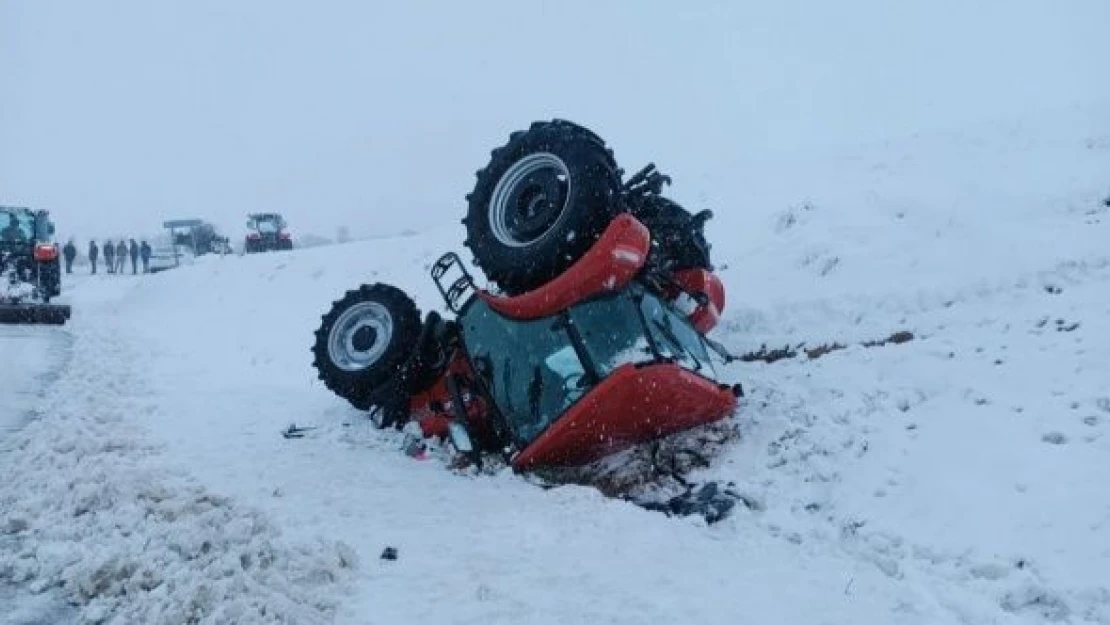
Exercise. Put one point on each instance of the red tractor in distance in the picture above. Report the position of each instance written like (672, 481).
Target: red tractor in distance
(267, 233)
(593, 339)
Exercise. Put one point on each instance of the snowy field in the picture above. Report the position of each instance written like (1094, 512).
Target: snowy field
(935, 168)
(956, 478)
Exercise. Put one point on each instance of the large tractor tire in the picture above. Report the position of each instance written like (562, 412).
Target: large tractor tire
(678, 235)
(364, 340)
(540, 204)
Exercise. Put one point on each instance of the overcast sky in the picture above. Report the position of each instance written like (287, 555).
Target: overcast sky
(118, 114)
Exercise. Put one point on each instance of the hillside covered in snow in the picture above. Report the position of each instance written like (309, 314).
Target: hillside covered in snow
(938, 172)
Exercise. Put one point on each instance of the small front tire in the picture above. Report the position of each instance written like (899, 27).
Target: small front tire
(364, 340)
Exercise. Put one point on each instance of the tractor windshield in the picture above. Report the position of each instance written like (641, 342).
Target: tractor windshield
(268, 226)
(266, 223)
(530, 367)
(16, 225)
(536, 369)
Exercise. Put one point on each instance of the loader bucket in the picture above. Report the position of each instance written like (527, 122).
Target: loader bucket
(42, 314)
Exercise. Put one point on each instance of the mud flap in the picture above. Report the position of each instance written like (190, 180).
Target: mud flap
(44, 314)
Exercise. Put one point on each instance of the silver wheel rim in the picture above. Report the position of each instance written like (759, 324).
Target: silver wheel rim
(500, 207)
(341, 340)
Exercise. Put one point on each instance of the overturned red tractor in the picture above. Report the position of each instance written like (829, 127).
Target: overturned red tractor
(593, 340)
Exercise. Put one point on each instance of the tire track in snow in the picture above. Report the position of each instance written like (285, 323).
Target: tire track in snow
(94, 515)
(33, 358)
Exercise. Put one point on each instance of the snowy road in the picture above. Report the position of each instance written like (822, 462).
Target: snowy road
(32, 357)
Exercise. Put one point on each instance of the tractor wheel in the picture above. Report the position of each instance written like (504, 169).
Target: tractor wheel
(50, 279)
(363, 341)
(540, 204)
(679, 236)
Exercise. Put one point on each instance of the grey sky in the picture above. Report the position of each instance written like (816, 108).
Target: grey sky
(117, 114)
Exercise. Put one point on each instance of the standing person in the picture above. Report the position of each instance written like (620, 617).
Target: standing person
(110, 256)
(121, 255)
(94, 253)
(133, 248)
(69, 252)
(145, 252)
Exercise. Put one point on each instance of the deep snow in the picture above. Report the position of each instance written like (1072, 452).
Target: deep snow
(957, 478)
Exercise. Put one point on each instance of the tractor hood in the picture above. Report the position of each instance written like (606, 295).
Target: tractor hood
(636, 404)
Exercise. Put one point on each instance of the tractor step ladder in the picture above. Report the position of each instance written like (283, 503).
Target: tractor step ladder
(454, 291)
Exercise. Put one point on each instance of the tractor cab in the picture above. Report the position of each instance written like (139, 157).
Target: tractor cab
(27, 241)
(593, 363)
(599, 376)
(23, 227)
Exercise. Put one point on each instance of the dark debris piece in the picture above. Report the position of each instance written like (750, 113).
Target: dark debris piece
(295, 431)
(389, 553)
(707, 500)
(763, 354)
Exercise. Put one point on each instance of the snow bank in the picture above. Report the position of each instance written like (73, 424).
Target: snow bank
(87, 507)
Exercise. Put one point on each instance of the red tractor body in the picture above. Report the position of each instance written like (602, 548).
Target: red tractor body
(588, 409)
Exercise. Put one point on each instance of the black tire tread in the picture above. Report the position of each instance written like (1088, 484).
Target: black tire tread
(512, 275)
(358, 387)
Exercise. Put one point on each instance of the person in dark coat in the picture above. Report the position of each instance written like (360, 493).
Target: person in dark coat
(110, 256)
(133, 248)
(121, 255)
(69, 252)
(145, 252)
(94, 254)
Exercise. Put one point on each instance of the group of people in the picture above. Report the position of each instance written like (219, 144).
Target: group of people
(115, 255)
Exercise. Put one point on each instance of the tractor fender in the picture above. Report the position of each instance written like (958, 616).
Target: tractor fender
(612, 262)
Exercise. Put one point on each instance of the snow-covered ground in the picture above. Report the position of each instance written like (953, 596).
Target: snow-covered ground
(34, 357)
(957, 478)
